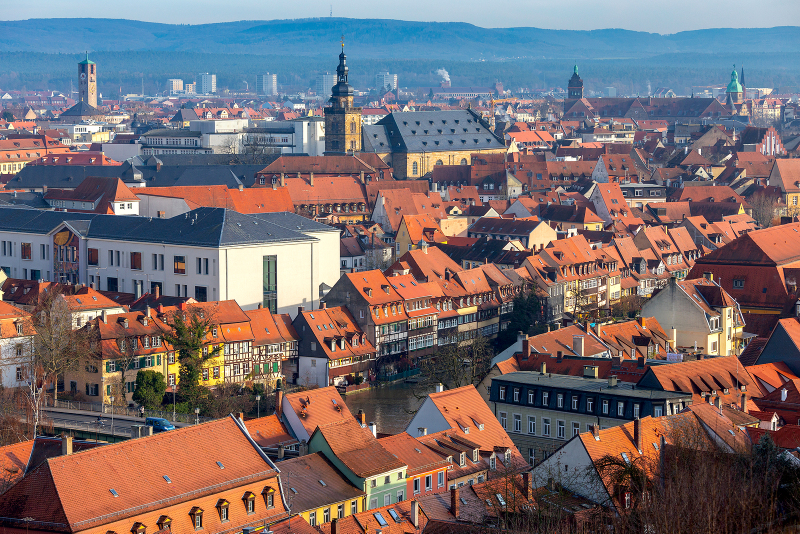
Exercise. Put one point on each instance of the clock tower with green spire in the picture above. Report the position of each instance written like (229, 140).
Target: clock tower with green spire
(734, 92)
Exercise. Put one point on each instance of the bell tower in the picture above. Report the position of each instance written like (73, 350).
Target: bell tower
(87, 81)
(575, 86)
(342, 120)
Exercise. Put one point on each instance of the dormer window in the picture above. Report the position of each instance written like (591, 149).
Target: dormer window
(138, 528)
(164, 523)
(249, 499)
(462, 459)
(196, 514)
(269, 496)
(508, 455)
(475, 456)
(493, 462)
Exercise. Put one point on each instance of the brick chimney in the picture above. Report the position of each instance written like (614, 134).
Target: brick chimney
(322, 305)
(744, 402)
(415, 514)
(335, 526)
(526, 485)
(454, 502)
(240, 416)
(642, 322)
(66, 445)
(526, 348)
(300, 309)
(637, 434)
(596, 432)
(361, 418)
(157, 291)
(578, 345)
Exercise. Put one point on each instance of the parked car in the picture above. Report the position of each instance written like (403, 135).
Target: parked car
(159, 424)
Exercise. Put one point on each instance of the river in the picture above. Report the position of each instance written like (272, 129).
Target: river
(391, 407)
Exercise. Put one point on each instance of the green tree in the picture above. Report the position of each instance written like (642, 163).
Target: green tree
(150, 389)
(525, 317)
(190, 341)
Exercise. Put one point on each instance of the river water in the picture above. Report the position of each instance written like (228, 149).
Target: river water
(391, 407)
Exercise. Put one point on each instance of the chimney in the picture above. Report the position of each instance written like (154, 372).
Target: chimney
(104, 315)
(744, 402)
(361, 418)
(526, 485)
(322, 305)
(590, 371)
(157, 291)
(66, 445)
(642, 322)
(280, 451)
(559, 355)
(640, 362)
(373, 429)
(240, 417)
(708, 276)
(439, 387)
(612, 381)
(300, 309)
(526, 348)
(544, 367)
(673, 337)
(311, 179)
(415, 514)
(454, 502)
(303, 448)
(637, 434)
(241, 187)
(160, 309)
(335, 525)
(784, 394)
(718, 402)
(422, 431)
(278, 401)
(283, 180)
(577, 345)
(551, 484)
(44, 189)
(362, 177)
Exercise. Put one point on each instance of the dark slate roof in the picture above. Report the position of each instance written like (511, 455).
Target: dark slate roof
(37, 221)
(29, 200)
(71, 176)
(203, 227)
(484, 249)
(435, 131)
(374, 139)
(183, 115)
(82, 109)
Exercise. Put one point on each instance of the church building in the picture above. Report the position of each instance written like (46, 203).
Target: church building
(342, 120)
(87, 81)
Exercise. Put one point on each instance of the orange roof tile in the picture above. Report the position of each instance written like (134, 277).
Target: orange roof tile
(320, 406)
(357, 448)
(268, 431)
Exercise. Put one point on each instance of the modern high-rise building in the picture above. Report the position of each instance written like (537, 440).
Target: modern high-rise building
(206, 83)
(174, 84)
(325, 83)
(267, 84)
(384, 80)
(87, 81)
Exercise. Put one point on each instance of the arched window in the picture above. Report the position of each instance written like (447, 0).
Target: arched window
(463, 161)
(414, 168)
(439, 162)
(352, 127)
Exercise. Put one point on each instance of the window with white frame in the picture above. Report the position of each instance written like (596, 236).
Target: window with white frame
(532, 425)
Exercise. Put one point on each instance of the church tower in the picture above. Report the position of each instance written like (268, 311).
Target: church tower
(734, 93)
(575, 86)
(342, 120)
(87, 82)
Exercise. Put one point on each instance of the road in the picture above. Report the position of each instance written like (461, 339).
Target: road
(88, 421)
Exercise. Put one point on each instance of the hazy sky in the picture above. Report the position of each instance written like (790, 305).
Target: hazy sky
(644, 15)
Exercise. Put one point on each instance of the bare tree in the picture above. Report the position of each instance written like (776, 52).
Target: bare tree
(465, 360)
(763, 208)
(56, 348)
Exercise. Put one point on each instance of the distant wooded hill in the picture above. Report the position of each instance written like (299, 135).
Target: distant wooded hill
(42, 53)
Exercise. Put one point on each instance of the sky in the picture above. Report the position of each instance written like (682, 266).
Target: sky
(641, 15)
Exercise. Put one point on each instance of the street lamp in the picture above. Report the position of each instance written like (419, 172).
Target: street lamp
(111, 398)
(197, 416)
(173, 402)
(27, 522)
(258, 400)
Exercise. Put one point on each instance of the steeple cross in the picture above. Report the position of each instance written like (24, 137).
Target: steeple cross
(342, 40)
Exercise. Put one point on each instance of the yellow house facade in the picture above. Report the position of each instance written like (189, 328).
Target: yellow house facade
(212, 372)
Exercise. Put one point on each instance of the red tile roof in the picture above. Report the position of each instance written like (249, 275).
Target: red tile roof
(419, 458)
(357, 448)
(269, 431)
(321, 406)
(249, 200)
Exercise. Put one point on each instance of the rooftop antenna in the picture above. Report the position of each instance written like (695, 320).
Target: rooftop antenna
(331, 10)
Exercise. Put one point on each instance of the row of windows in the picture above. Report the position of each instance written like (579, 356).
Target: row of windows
(115, 259)
(574, 401)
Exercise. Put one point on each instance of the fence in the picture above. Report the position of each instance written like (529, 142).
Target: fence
(124, 411)
(398, 376)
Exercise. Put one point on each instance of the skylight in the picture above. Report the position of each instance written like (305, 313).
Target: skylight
(167, 479)
(322, 483)
(293, 490)
(220, 465)
(394, 515)
(379, 518)
(500, 499)
(114, 492)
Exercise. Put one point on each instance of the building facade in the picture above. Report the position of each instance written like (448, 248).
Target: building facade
(342, 119)
(87, 82)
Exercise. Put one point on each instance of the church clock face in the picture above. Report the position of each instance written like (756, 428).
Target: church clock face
(83, 75)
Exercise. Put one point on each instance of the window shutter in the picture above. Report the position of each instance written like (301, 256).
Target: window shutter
(274, 367)
(108, 367)
(256, 368)
(141, 362)
(158, 359)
